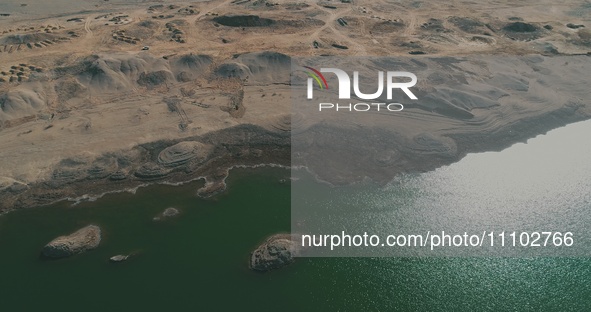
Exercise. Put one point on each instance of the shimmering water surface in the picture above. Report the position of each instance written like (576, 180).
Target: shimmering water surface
(543, 185)
(198, 261)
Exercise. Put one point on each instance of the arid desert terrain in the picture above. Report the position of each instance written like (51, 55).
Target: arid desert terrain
(99, 96)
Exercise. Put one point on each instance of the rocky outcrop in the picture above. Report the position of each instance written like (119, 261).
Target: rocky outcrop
(119, 258)
(80, 241)
(118, 175)
(182, 152)
(211, 189)
(156, 78)
(151, 171)
(102, 168)
(276, 252)
(70, 170)
(167, 213)
(12, 186)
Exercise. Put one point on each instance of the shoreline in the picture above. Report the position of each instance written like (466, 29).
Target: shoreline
(91, 198)
(214, 170)
(214, 178)
(418, 162)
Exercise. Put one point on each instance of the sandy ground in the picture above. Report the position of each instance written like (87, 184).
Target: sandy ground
(75, 83)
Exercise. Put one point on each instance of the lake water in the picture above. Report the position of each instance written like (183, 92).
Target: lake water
(543, 185)
(198, 261)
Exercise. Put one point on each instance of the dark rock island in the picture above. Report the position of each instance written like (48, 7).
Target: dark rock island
(86, 238)
(276, 252)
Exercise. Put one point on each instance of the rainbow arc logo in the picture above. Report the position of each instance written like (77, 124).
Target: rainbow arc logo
(316, 75)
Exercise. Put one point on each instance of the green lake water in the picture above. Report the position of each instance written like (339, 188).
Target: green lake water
(198, 261)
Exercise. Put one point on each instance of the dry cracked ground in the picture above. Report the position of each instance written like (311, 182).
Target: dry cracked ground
(97, 96)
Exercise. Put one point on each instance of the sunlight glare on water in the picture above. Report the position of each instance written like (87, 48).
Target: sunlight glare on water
(541, 185)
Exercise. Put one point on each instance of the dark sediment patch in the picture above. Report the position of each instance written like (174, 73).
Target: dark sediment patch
(301, 23)
(26, 38)
(520, 27)
(296, 6)
(467, 24)
(339, 46)
(574, 26)
(547, 48)
(583, 38)
(137, 33)
(387, 27)
(523, 31)
(192, 61)
(434, 24)
(412, 45)
(149, 24)
(178, 22)
(68, 89)
(243, 21)
(247, 21)
(483, 39)
(231, 70)
(153, 79)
